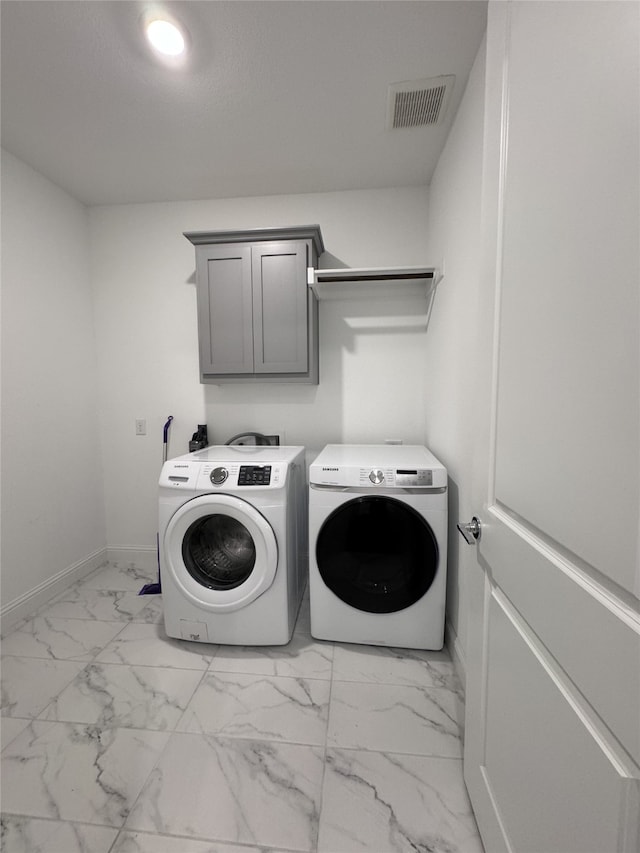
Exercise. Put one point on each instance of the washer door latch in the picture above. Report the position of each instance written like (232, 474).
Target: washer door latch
(471, 530)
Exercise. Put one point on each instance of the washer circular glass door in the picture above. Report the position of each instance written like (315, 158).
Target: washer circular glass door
(221, 552)
(377, 554)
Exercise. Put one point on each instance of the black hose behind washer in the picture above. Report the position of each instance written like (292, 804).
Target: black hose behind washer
(260, 438)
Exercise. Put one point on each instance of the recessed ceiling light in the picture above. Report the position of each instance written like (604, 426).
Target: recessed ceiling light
(165, 37)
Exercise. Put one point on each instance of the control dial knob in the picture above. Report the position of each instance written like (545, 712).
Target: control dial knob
(218, 476)
(376, 476)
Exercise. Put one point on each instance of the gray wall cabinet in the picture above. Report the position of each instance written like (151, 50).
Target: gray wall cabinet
(257, 317)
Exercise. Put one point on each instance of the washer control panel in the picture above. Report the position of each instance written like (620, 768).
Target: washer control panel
(238, 477)
(222, 475)
(218, 475)
(254, 475)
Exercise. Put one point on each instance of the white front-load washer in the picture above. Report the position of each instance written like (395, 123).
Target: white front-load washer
(233, 543)
(378, 545)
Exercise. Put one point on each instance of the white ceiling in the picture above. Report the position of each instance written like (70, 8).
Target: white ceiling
(277, 97)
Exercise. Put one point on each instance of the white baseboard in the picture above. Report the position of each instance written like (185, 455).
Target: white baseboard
(26, 605)
(128, 555)
(457, 652)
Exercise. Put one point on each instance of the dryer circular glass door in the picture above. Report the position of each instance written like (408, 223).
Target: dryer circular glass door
(377, 554)
(221, 551)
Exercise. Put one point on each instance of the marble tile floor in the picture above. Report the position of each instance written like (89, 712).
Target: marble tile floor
(116, 739)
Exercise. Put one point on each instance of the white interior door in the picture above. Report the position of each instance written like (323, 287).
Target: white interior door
(552, 751)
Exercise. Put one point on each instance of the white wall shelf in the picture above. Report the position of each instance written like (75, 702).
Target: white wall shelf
(368, 282)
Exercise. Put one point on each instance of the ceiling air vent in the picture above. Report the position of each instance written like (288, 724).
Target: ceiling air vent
(418, 103)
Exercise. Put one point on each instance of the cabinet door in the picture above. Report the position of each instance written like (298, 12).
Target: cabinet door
(225, 308)
(280, 307)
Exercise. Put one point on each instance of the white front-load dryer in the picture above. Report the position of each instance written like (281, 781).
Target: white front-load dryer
(232, 530)
(378, 545)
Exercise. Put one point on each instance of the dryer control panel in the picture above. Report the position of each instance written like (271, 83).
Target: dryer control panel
(368, 466)
(390, 478)
(414, 477)
(396, 477)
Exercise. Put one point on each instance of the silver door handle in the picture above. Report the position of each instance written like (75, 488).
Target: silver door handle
(471, 530)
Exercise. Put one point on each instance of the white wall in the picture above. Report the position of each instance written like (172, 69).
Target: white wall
(454, 235)
(372, 365)
(52, 491)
